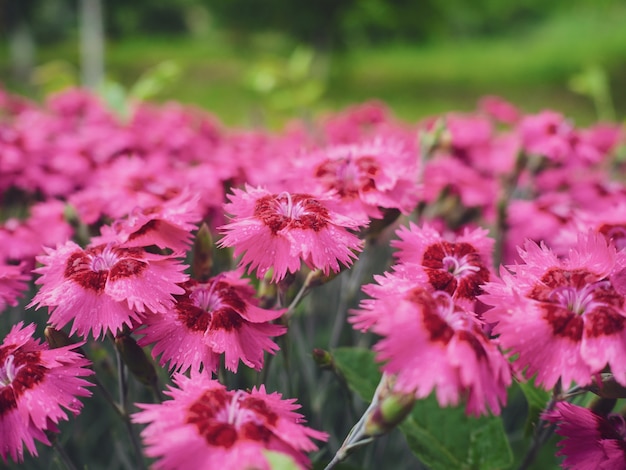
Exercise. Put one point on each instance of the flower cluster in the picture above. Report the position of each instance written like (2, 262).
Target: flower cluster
(509, 233)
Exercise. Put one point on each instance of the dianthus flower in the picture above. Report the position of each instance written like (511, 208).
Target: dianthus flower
(432, 343)
(205, 425)
(381, 173)
(458, 267)
(280, 230)
(12, 283)
(548, 134)
(592, 441)
(166, 225)
(103, 287)
(563, 318)
(36, 383)
(211, 318)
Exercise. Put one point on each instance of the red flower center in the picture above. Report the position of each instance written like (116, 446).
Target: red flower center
(223, 418)
(19, 371)
(455, 268)
(348, 176)
(93, 267)
(214, 305)
(443, 319)
(291, 211)
(576, 302)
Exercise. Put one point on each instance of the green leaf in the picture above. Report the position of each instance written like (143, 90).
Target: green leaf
(359, 369)
(489, 446)
(280, 461)
(444, 438)
(537, 398)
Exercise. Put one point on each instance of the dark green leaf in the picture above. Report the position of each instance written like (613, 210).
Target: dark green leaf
(359, 369)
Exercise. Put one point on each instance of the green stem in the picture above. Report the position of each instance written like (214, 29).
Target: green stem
(58, 448)
(123, 392)
(357, 437)
(543, 432)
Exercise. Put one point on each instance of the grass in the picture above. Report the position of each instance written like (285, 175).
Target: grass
(531, 68)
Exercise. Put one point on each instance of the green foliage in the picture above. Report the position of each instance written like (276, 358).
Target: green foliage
(442, 438)
(536, 398)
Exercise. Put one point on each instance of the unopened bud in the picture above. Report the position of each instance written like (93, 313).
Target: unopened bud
(392, 407)
(376, 226)
(608, 387)
(323, 358)
(56, 338)
(202, 260)
(318, 278)
(603, 406)
(136, 360)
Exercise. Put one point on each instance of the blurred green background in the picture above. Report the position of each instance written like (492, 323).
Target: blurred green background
(261, 62)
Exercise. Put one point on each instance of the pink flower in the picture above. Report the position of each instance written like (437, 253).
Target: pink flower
(547, 134)
(206, 426)
(23, 240)
(36, 383)
(280, 230)
(499, 109)
(210, 319)
(432, 343)
(563, 318)
(458, 266)
(166, 225)
(13, 282)
(380, 173)
(592, 441)
(104, 287)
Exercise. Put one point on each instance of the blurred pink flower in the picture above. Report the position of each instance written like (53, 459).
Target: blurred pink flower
(13, 282)
(366, 177)
(23, 240)
(167, 225)
(104, 287)
(36, 383)
(280, 230)
(547, 134)
(210, 319)
(592, 441)
(499, 109)
(206, 426)
(563, 318)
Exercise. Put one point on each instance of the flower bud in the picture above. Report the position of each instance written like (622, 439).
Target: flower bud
(202, 260)
(391, 409)
(135, 358)
(323, 358)
(56, 338)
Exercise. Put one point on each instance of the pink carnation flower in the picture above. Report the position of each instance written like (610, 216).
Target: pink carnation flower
(167, 225)
(458, 266)
(548, 134)
(13, 282)
(103, 287)
(280, 230)
(36, 383)
(210, 319)
(206, 426)
(381, 173)
(432, 343)
(564, 318)
(592, 441)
